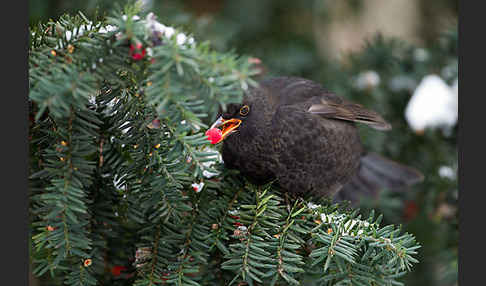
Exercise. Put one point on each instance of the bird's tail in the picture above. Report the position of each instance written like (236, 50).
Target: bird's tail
(375, 174)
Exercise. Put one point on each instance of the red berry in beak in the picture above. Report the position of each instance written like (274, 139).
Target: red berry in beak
(214, 135)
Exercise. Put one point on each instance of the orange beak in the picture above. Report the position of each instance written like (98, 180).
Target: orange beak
(228, 126)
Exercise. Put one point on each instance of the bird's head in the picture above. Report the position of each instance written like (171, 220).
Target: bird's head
(229, 122)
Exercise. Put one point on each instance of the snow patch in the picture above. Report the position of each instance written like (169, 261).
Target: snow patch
(433, 104)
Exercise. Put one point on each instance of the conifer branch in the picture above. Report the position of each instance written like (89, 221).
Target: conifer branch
(123, 104)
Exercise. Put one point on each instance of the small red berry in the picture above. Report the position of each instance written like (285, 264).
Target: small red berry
(87, 262)
(214, 135)
(137, 55)
(116, 270)
(410, 211)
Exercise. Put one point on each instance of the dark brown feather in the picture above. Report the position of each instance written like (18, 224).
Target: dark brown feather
(351, 112)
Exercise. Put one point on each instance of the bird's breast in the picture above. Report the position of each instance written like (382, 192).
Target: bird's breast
(251, 154)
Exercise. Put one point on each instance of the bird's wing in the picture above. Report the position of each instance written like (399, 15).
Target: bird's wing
(314, 98)
(345, 110)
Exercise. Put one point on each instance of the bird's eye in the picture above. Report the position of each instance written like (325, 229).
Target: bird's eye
(244, 110)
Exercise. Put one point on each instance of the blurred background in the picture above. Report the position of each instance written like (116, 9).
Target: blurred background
(396, 57)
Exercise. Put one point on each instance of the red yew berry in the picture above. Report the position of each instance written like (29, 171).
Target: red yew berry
(117, 269)
(137, 52)
(214, 135)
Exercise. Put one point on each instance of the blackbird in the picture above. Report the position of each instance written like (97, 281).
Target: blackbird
(295, 131)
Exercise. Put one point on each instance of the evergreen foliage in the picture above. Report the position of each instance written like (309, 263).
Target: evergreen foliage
(117, 143)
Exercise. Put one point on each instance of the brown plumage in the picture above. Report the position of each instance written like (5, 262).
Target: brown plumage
(295, 131)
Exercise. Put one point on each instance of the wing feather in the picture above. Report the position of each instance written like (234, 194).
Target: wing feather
(350, 112)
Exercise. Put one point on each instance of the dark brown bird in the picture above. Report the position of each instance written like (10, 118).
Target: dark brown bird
(295, 131)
